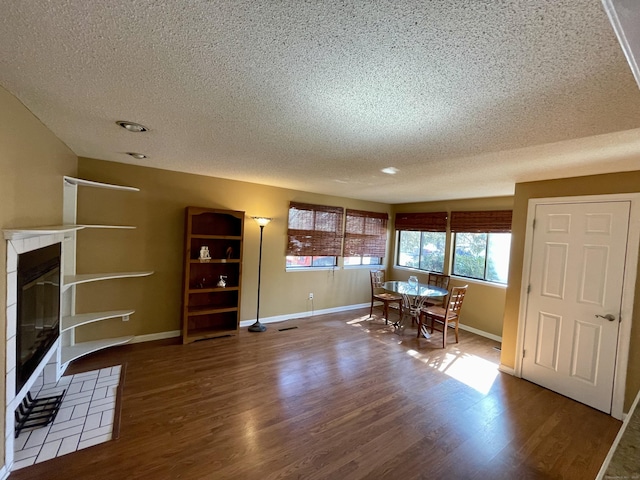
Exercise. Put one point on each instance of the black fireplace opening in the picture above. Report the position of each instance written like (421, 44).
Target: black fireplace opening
(38, 312)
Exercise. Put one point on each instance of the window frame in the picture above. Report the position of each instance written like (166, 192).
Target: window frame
(420, 222)
(479, 222)
(486, 258)
(420, 248)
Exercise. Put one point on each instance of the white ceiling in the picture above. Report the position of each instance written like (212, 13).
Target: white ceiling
(465, 98)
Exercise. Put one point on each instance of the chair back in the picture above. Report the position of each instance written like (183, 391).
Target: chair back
(377, 281)
(439, 280)
(455, 300)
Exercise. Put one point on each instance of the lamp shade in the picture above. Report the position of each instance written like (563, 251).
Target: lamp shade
(262, 221)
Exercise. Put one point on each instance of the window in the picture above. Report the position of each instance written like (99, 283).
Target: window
(315, 235)
(422, 250)
(365, 239)
(482, 244)
(295, 261)
(422, 240)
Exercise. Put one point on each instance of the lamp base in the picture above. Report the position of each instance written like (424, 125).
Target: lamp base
(257, 327)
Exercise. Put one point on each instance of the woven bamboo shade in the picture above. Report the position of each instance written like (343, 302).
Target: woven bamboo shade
(496, 221)
(422, 222)
(314, 230)
(365, 234)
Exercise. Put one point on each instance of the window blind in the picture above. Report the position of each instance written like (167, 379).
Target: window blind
(365, 234)
(422, 222)
(496, 221)
(314, 230)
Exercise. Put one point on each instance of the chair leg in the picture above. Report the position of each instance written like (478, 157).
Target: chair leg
(386, 313)
(445, 327)
(456, 330)
(371, 309)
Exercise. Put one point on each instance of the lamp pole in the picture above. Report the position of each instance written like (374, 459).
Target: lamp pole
(257, 326)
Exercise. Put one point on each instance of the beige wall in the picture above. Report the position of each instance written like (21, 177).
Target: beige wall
(32, 163)
(483, 307)
(589, 185)
(157, 244)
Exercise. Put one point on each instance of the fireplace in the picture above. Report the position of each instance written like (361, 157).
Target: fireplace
(38, 308)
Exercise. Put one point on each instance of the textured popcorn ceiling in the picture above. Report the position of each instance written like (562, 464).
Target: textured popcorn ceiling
(464, 98)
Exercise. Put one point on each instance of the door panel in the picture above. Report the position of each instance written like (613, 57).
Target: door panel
(586, 344)
(555, 270)
(595, 261)
(576, 273)
(547, 343)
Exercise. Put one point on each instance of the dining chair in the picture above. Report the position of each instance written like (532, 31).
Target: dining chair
(379, 294)
(444, 318)
(438, 280)
(412, 306)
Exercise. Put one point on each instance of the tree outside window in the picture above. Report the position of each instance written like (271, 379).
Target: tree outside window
(484, 256)
(422, 250)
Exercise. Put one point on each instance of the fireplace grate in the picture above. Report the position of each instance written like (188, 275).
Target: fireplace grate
(38, 412)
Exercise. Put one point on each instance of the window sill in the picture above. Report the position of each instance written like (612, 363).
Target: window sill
(416, 270)
(455, 277)
(478, 281)
(368, 267)
(309, 269)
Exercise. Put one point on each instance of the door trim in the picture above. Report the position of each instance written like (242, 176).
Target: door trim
(628, 290)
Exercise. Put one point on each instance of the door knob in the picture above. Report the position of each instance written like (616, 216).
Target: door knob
(608, 316)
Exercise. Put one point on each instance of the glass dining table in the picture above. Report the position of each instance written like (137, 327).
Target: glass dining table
(414, 291)
(418, 290)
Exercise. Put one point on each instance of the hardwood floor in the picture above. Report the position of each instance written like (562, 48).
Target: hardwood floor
(339, 397)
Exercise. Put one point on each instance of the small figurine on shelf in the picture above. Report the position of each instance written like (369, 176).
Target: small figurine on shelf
(222, 282)
(201, 284)
(205, 256)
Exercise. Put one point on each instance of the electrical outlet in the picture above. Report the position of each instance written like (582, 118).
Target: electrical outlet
(310, 295)
(125, 318)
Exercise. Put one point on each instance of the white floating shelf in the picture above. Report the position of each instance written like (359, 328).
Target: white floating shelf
(91, 183)
(81, 349)
(94, 277)
(73, 321)
(123, 227)
(20, 233)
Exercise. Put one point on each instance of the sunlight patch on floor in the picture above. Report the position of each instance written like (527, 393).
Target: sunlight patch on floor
(473, 371)
(357, 321)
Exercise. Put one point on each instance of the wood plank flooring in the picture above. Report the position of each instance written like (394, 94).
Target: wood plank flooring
(340, 397)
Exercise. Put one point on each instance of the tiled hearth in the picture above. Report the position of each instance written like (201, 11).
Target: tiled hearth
(86, 416)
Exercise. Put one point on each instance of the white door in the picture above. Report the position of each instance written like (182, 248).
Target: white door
(575, 295)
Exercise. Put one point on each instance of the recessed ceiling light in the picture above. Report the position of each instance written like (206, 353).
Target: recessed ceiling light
(390, 170)
(137, 156)
(132, 126)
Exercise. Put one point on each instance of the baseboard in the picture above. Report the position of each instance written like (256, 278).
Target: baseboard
(504, 369)
(482, 333)
(616, 441)
(281, 318)
(290, 316)
(4, 472)
(156, 336)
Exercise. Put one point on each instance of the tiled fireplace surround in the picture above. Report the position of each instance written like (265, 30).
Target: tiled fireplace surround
(50, 366)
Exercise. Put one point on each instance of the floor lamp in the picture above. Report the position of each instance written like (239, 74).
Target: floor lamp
(258, 327)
